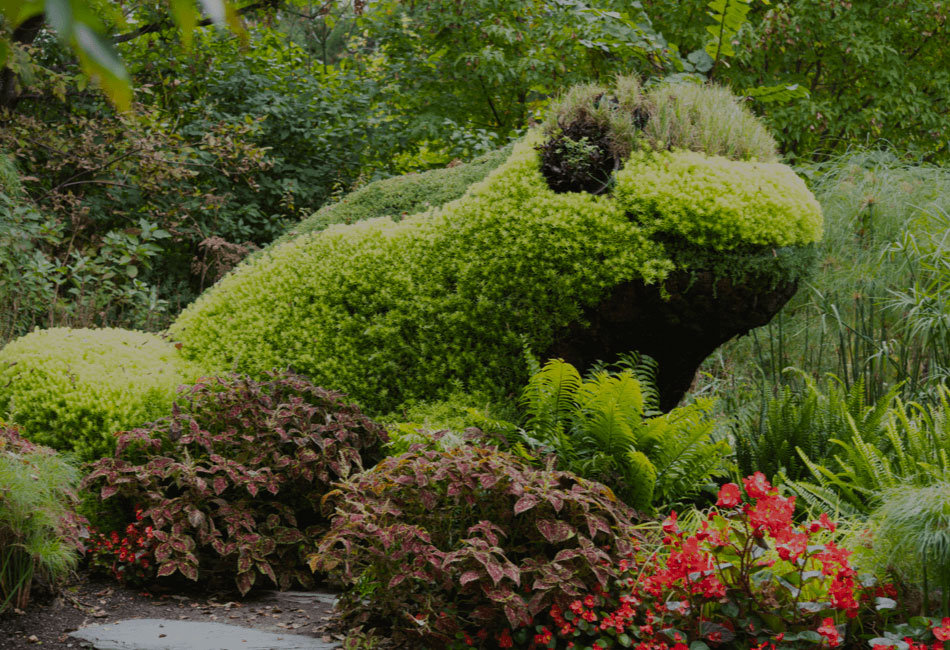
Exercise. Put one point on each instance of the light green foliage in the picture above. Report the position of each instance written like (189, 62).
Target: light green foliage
(401, 196)
(73, 389)
(607, 427)
(38, 496)
(912, 536)
(391, 311)
(719, 203)
(440, 301)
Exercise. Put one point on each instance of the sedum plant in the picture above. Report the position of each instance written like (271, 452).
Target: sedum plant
(73, 389)
(229, 485)
(40, 533)
(437, 544)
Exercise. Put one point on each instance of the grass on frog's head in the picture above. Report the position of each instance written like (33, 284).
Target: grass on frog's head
(698, 117)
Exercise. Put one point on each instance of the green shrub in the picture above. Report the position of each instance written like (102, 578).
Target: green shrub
(392, 311)
(231, 481)
(448, 299)
(912, 537)
(718, 203)
(607, 427)
(73, 389)
(437, 543)
(400, 196)
(39, 530)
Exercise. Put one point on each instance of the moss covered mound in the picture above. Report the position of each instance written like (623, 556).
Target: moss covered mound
(448, 299)
(400, 196)
(72, 389)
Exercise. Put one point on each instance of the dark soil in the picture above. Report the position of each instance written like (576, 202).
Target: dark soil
(578, 159)
(86, 602)
(678, 323)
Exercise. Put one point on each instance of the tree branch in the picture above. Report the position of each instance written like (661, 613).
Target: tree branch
(159, 25)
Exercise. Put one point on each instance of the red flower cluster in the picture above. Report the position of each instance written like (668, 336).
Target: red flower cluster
(703, 586)
(128, 558)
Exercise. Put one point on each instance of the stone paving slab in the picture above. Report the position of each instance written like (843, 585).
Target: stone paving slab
(160, 634)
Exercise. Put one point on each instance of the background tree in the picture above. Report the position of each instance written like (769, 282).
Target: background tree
(874, 71)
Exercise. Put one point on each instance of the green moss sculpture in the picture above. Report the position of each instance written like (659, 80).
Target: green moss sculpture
(400, 196)
(611, 228)
(448, 299)
(72, 389)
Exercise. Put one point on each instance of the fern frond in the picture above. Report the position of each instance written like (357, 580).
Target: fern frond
(640, 476)
(549, 399)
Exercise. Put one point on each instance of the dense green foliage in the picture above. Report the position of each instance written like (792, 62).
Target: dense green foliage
(435, 544)
(356, 307)
(607, 427)
(717, 203)
(373, 293)
(491, 66)
(39, 530)
(320, 129)
(231, 482)
(426, 296)
(73, 389)
(872, 71)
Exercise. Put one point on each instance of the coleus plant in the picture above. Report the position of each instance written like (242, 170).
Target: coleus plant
(230, 484)
(437, 543)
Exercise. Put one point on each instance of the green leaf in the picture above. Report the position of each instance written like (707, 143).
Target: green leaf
(59, 15)
(100, 62)
(780, 94)
(185, 16)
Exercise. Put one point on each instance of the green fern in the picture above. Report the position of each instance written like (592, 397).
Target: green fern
(606, 427)
(907, 446)
(641, 472)
(804, 421)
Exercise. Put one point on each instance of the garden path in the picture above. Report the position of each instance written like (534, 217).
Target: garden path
(93, 604)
